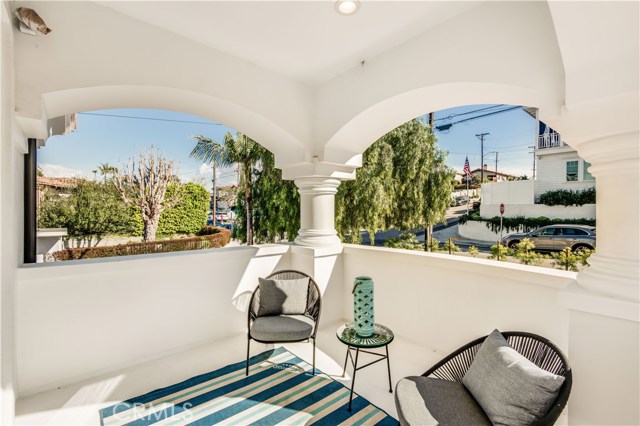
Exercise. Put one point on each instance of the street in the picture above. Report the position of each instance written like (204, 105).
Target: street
(441, 233)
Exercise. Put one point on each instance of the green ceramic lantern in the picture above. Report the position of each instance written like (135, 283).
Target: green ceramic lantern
(363, 317)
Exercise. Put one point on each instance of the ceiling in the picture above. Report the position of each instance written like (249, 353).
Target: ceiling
(305, 40)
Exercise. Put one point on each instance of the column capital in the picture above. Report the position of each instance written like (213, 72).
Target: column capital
(321, 169)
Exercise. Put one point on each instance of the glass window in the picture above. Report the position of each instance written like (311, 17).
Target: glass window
(572, 171)
(573, 231)
(585, 173)
(547, 231)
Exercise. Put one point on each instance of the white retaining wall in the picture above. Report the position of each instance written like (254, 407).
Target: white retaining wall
(587, 211)
(478, 231)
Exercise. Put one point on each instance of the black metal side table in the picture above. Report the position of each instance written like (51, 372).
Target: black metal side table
(381, 337)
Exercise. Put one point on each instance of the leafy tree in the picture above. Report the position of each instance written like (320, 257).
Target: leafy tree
(54, 211)
(209, 151)
(91, 209)
(275, 206)
(367, 202)
(437, 192)
(189, 214)
(143, 183)
(403, 183)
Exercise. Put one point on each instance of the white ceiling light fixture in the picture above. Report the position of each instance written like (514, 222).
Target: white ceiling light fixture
(347, 7)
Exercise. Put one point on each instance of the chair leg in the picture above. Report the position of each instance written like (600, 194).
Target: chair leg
(247, 367)
(314, 357)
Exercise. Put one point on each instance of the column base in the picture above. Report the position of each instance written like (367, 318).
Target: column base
(613, 277)
(317, 238)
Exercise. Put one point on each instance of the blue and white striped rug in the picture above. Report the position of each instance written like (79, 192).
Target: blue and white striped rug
(280, 390)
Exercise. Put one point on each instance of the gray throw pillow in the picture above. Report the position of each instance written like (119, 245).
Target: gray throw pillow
(283, 297)
(510, 389)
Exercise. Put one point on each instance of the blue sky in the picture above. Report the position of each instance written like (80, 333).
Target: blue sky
(107, 138)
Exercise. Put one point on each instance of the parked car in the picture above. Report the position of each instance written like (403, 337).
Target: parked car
(557, 237)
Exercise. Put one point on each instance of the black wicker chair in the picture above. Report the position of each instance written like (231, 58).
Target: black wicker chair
(535, 348)
(314, 302)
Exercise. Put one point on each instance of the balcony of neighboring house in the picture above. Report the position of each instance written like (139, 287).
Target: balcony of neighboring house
(550, 140)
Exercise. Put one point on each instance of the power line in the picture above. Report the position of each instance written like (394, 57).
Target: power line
(450, 116)
(448, 125)
(151, 118)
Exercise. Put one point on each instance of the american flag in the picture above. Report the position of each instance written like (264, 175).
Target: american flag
(467, 169)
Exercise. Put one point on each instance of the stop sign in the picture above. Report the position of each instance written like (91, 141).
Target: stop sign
(501, 209)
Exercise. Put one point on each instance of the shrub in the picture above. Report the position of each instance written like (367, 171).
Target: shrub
(450, 247)
(209, 230)
(566, 260)
(473, 251)
(583, 256)
(499, 252)
(406, 240)
(526, 254)
(567, 197)
(219, 239)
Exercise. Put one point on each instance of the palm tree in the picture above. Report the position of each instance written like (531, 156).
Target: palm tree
(246, 152)
(106, 169)
(209, 151)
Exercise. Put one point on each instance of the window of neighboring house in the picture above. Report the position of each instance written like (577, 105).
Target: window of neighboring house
(585, 173)
(572, 171)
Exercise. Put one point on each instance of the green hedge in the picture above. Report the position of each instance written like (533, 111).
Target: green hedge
(567, 197)
(189, 215)
(528, 223)
(219, 239)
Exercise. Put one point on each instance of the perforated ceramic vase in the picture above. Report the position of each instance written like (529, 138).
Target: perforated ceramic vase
(363, 316)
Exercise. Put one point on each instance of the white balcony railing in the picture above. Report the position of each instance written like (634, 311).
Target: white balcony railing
(550, 140)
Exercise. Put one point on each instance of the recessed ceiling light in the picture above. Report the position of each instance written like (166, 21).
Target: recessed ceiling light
(347, 7)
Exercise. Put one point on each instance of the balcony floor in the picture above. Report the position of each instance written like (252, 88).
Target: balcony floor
(78, 404)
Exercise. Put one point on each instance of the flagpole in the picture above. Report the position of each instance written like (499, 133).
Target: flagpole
(468, 199)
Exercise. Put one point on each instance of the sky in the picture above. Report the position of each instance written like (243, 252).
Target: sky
(113, 136)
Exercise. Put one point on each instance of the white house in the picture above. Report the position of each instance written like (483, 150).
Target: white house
(316, 88)
(558, 167)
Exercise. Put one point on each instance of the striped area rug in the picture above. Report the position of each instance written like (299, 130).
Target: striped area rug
(280, 390)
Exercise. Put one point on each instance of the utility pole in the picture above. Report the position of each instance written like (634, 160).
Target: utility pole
(496, 162)
(214, 197)
(534, 161)
(481, 137)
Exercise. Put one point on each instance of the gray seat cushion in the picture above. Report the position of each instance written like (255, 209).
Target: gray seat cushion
(425, 401)
(511, 389)
(282, 328)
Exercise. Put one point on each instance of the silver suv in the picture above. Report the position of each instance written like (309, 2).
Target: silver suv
(557, 237)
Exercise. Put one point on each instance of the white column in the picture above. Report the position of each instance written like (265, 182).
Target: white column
(615, 267)
(317, 211)
(604, 307)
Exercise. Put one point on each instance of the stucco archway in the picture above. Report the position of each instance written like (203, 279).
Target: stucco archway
(284, 145)
(380, 118)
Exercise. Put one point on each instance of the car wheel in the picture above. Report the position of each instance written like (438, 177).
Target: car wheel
(581, 248)
(513, 244)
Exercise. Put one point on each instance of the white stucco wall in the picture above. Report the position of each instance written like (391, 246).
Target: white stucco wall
(479, 231)
(79, 319)
(442, 302)
(513, 192)
(12, 145)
